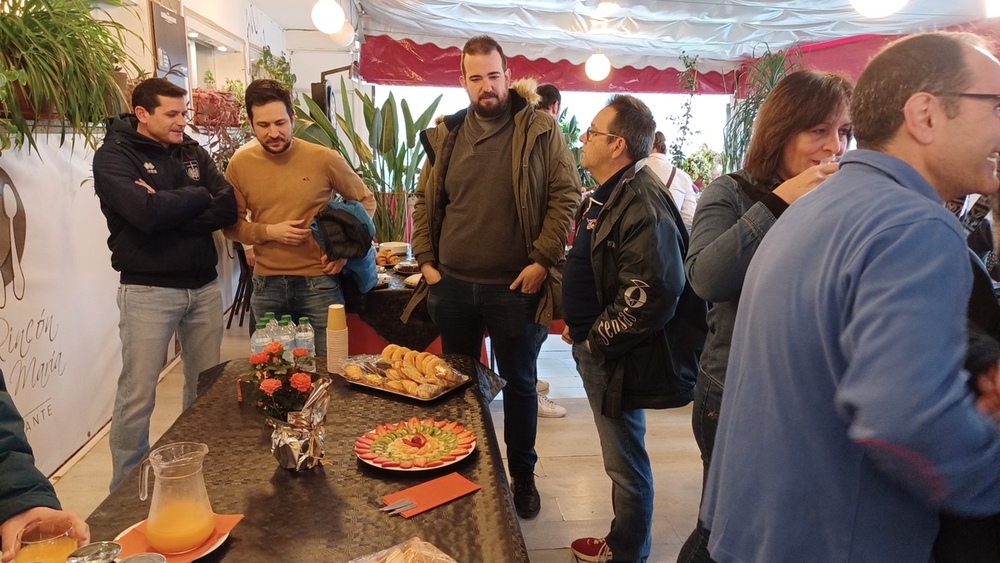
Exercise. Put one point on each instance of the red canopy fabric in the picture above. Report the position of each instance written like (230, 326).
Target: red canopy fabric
(387, 61)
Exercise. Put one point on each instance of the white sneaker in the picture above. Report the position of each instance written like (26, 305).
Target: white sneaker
(548, 409)
(542, 386)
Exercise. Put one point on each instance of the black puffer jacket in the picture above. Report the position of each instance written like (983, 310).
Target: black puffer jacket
(162, 239)
(653, 325)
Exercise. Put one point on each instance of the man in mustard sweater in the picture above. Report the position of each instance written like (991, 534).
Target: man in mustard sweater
(284, 182)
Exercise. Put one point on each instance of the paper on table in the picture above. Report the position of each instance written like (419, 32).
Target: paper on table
(135, 542)
(433, 493)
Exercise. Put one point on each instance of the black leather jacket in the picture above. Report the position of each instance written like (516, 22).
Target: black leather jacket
(653, 325)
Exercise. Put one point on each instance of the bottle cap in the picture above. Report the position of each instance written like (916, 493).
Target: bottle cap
(283, 322)
(303, 320)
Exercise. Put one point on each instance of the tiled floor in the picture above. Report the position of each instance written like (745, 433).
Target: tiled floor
(575, 491)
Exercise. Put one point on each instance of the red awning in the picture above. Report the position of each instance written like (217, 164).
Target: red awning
(404, 63)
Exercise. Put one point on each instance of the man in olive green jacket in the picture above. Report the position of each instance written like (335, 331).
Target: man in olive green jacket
(493, 209)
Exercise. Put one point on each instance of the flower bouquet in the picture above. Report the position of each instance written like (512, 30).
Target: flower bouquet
(278, 382)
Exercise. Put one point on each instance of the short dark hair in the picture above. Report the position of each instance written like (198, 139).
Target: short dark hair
(633, 122)
(482, 45)
(550, 96)
(798, 102)
(147, 93)
(660, 143)
(926, 62)
(263, 91)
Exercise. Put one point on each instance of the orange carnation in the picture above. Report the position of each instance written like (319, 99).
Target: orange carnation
(300, 352)
(301, 382)
(259, 358)
(274, 348)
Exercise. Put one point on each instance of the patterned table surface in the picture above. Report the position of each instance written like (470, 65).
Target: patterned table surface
(331, 513)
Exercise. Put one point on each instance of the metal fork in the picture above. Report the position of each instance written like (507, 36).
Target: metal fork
(402, 505)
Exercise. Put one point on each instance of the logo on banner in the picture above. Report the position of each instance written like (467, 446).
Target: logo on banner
(12, 230)
(191, 166)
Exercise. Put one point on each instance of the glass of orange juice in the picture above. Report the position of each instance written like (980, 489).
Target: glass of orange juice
(46, 541)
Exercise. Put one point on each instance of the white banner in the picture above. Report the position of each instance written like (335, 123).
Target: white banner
(59, 345)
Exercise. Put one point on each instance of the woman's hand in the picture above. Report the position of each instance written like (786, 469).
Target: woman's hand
(794, 188)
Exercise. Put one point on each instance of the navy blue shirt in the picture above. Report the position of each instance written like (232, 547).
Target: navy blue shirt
(580, 305)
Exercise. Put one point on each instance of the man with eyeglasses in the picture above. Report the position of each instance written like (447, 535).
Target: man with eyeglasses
(492, 213)
(848, 422)
(635, 325)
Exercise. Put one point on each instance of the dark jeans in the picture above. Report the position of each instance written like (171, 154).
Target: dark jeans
(705, 422)
(463, 311)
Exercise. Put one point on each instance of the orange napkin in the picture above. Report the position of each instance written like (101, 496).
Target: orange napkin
(433, 493)
(134, 541)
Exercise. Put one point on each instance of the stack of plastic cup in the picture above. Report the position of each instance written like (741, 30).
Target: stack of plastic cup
(336, 339)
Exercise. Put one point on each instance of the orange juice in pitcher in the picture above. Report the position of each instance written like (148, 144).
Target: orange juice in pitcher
(180, 515)
(179, 526)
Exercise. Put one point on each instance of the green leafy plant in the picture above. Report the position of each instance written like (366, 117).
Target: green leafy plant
(66, 60)
(220, 115)
(388, 160)
(704, 165)
(277, 68)
(571, 131)
(689, 81)
(755, 83)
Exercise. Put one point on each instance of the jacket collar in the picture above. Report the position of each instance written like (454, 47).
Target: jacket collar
(123, 128)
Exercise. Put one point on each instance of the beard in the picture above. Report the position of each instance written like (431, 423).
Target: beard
(497, 105)
(282, 148)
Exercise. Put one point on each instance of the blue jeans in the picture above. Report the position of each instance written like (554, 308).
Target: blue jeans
(625, 461)
(298, 296)
(149, 316)
(705, 422)
(463, 311)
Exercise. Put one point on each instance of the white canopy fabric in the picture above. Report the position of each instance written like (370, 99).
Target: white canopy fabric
(653, 33)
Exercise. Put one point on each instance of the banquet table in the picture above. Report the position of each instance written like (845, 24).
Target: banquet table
(330, 513)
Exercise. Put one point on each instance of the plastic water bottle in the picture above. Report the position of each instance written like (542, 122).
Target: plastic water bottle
(286, 335)
(272, 325)
(288, 318)
(260, 338)
(305, 337)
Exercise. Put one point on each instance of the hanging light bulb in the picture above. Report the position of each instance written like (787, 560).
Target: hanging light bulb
(877, 8)
(328, 16)
(598, 67)
(344, 37)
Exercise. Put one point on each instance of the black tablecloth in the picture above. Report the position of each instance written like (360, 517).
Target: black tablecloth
(380, 309)
(331, 513)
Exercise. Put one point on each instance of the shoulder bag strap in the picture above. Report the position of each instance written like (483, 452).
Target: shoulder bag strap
(753, 191)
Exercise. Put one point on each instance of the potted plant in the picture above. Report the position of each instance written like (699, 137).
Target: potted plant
(571, 131)
(756, 82)
(389, 161)
(220, 115)
(276, 68)
(64, 59)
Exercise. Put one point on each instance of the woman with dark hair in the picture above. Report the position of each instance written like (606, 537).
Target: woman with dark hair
(802, 128)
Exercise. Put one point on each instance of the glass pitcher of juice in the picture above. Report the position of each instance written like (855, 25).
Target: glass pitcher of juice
(180, 515)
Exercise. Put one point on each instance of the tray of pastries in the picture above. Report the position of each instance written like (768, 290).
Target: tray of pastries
(401, 371)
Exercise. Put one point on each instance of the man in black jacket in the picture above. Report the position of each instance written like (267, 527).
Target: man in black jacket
(630, 316)
(163, 197)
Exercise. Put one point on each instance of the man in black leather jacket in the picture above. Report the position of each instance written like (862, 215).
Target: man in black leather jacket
(635, 326)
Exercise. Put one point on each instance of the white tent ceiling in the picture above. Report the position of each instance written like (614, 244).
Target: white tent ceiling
(638, 32)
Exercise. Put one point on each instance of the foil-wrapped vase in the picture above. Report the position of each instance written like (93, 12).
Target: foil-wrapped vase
(298, 443)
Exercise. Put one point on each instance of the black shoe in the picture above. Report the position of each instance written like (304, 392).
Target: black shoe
(526, 501)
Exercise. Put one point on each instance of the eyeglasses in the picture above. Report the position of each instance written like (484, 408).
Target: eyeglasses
(591, 133)
(995, 98)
